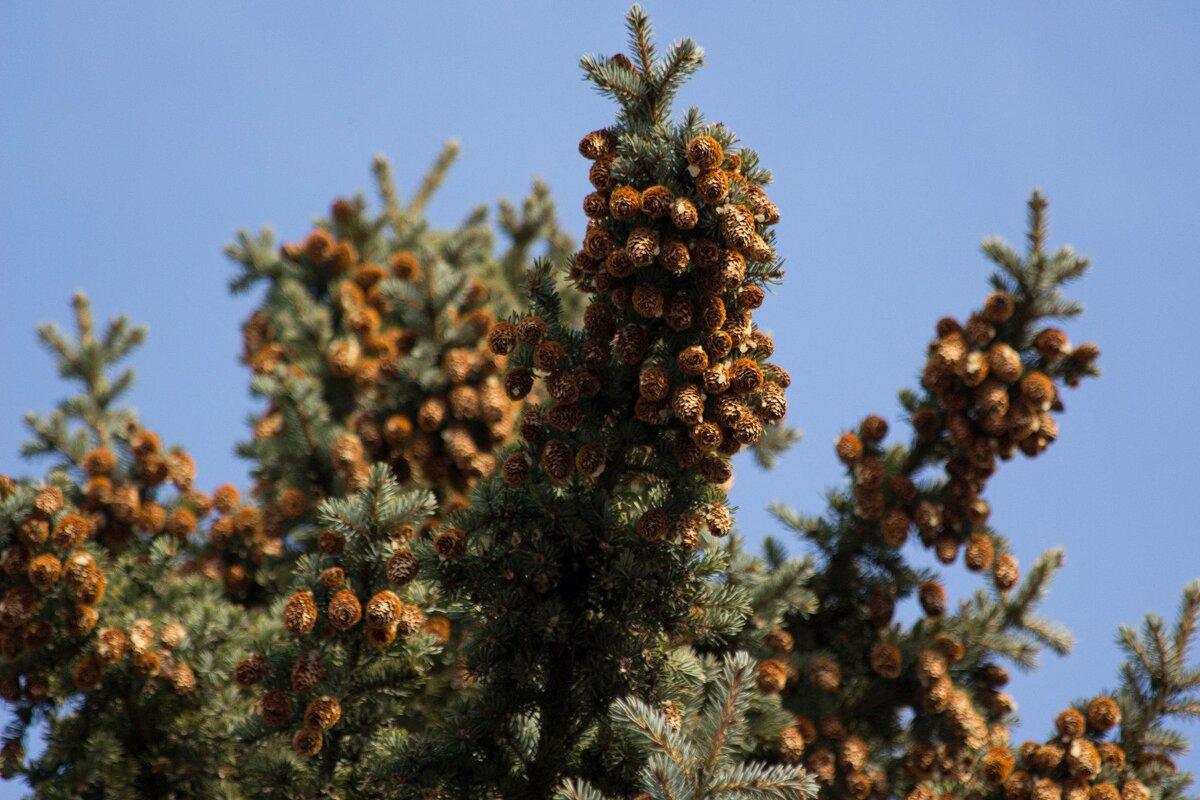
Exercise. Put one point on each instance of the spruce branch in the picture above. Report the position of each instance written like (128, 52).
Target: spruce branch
(645, 86)
(702, 759)
(87, 360)
(641, 38)
(1157, 686)
(434, 178)
(393, 212)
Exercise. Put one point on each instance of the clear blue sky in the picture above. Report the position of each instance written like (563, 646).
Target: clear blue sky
(138, 137)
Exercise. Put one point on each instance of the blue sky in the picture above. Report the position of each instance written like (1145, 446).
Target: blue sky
(139, 137)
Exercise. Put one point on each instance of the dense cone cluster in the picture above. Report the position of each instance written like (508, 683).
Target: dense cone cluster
(984, 400)
(236, 527)
(146, 649)
(1076, 763)
(54, 580)
(434, 417)
(52, 584)
(442, 434)
(676, 270)
(368, 347)
(120, 496)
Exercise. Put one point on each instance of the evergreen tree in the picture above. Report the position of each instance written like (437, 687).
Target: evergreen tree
(367, 347)
(104, 640)
(989, 389)
(584, 563)
(488, 553)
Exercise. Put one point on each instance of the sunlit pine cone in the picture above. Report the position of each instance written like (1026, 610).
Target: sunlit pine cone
(300, 613)
(703, 153)
(307, 742)
(323, 713)
(683, 213)
(772, 676)
(1103, 714)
